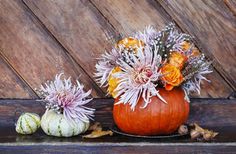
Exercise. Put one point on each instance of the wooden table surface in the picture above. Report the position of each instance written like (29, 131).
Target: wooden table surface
(216, 114)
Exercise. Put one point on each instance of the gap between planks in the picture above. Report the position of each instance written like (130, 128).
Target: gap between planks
(101, 92)
(31, 91)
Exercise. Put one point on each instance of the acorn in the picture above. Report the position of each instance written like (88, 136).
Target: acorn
(183, 129)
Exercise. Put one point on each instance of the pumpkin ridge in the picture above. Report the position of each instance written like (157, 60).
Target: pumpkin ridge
(73, 132)
(21, 127)
(167, 119)
(28, 125)
(176, 108)
(37, 123)
(48, 129)
(171, 114)
(59, 127)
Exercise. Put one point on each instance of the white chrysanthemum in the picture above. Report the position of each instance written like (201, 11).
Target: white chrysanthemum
(138, 76)
(178, 39)
(193, 85)
(105, 64)
(64, 97)
(147, 35)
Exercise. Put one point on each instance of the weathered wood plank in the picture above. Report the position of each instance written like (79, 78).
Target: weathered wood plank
(78, 26)
(216, 114)
(208, 112)
(117, 148)
(128, 16)
(11, 86)
(32, 51)
(214, 27)
(231, 5)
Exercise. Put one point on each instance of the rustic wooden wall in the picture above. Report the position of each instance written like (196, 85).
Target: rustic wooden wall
(41, 38)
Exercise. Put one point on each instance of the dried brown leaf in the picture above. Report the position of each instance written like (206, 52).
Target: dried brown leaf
(98, 133)
(199, 132)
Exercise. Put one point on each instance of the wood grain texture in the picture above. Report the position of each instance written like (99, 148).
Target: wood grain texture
(78, 26)
(11, 86)
(216, 114)
(214, 27)
(32, 51)
(128, 16)
(41, 38)
(208, 112)
(121, 149)
(231, 5)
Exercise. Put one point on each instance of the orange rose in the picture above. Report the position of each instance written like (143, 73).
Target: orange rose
(171, 76)
(130, 42)
(177, 59)
(113, 82)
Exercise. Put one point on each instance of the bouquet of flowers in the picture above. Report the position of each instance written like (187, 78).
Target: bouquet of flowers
(139, 66)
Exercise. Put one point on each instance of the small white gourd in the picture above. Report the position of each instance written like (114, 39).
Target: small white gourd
(27, 123)
(55, 124)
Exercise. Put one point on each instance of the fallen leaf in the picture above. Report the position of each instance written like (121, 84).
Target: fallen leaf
(98, 133)
(200, 133)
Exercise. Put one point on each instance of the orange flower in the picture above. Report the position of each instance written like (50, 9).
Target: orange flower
(171, 76)
(195, 52)
(177, 59)
(185, 46)
(113, 82)
(132, 43)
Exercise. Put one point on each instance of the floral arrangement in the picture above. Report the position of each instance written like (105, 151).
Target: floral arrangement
(138, 65)
(63, 97)
(66, 114)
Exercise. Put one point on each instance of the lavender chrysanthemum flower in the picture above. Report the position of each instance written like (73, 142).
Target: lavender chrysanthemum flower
(195, 78)
(138, 77)
(64, 97)
(105, 64)
(147, 35)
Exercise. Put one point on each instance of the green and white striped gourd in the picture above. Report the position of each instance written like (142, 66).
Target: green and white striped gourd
(55, 124)
(27, 123)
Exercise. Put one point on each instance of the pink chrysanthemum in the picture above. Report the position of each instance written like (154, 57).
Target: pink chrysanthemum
(138, 77)
(64, 97)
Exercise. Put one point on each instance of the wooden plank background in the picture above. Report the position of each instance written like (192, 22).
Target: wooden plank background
(39, 39)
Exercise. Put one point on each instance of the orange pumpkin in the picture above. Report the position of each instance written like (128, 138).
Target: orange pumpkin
(157, 118)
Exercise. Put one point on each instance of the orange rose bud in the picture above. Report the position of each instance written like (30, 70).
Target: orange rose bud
(177, 59)
(131, 42)
(171, 76)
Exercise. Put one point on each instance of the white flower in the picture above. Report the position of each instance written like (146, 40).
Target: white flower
(105, 64)
(63, 97)
(138, 76)
(147, 35)
(193, 85)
